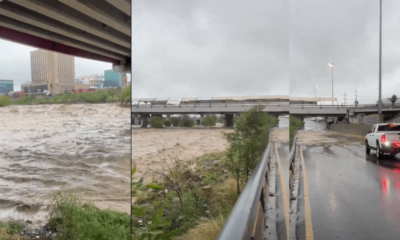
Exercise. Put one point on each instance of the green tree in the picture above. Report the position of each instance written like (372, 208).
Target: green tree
(248, 142)
(175, 121)
(393, 99)
(209, 121)
(156, 122)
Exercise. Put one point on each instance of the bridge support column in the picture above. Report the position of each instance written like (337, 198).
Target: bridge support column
(135, 120)
(228, 120)
(145, 120)
(168, 117)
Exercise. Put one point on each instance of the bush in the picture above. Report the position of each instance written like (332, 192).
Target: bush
(167, 123)
(126, 95)
(188, 123)
(4, 101)
(156, 122)
(175, 121)
(209, 121)
(293, 124)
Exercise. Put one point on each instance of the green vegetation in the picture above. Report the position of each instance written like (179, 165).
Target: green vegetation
(11, 230)
(197, 194)
(75, 220)
(197, 197)
(294, 123)
(209, 121)
(188, 122)
(175, 121)
(100, 96)
(167, 123)
(156, 122)
(4, 101)
(247, 143)
(219, 120)
(126, 96)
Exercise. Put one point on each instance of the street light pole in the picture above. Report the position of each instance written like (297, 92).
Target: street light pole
(380, 120)
(315, 90)
(332, 65)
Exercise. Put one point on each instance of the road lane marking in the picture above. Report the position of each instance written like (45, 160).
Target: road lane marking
(358, 158)
(285, 198)
(307, 208)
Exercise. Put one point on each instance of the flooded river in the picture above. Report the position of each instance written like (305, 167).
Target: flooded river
(83, 149)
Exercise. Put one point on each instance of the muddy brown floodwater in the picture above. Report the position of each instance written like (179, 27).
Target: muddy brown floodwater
(151, 146)
(82, 149)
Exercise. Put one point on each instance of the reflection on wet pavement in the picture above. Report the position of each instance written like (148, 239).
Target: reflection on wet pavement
(78, 148)
(353, 195)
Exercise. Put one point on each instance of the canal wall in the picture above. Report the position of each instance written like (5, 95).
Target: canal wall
(355, 129)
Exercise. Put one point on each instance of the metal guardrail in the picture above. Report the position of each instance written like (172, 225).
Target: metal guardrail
(241, 223)
(292, 154)
(343, 106)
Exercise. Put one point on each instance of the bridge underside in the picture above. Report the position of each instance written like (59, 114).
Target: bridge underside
(94, 29)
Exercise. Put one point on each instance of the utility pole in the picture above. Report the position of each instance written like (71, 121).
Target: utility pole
(356, 102)
(332, 65)
(344, 98)
(380, 120)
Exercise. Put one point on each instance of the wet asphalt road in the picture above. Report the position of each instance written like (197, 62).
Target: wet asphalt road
(352, 195)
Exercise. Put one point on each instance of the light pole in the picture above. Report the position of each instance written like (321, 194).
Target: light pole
(332, 65)
(380, 65)
(356, 102)
(315, 90)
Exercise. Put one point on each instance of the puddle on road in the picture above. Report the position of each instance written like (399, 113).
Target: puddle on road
(44, 149)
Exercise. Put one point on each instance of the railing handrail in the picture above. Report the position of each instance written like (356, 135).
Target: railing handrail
(242, 217)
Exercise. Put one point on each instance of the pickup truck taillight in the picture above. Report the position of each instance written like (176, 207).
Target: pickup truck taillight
(383, 138)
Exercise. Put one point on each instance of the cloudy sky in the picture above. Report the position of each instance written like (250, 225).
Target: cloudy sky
(15, 64)
(346, 33)
(204, 48)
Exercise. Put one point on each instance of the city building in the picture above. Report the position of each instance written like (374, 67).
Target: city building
(113, 79)
(6, 86)
(51, 71)
(93, 81)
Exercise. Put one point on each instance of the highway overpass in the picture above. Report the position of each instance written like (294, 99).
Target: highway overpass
(143, 108)
(342, 111)
(93, 29)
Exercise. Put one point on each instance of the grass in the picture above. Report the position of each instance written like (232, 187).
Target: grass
(4, 101)
(293, 124)
(11, 230)
(76, 220)
(207, 230)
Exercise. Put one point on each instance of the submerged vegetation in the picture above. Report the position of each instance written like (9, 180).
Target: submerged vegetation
(192, 200)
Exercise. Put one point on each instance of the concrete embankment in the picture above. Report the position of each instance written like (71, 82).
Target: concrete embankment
(354, 129)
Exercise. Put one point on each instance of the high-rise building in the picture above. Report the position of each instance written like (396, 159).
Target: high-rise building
(6, 86)
(52, 71)
(113, 79)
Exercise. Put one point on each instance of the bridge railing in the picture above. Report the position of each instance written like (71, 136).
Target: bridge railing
(244, 221)
(386, 106)
(210, 105)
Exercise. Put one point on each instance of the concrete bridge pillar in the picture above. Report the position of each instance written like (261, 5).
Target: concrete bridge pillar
(168, 117)
(135, 120)
(145, 120)
(228, 120)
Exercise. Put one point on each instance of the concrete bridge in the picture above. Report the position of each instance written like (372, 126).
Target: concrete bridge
(228, 107)
(343, 111)
(94, 29)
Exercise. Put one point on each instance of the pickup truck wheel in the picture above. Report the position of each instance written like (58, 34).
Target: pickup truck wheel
(367, 149)
(378, 152)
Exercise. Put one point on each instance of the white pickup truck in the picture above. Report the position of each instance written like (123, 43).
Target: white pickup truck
(384, 138)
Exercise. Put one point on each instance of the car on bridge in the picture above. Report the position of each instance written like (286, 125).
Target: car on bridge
(384, 139)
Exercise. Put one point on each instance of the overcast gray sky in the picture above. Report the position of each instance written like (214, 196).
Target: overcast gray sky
(346, 33)
(15, 64)
(204, 48)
